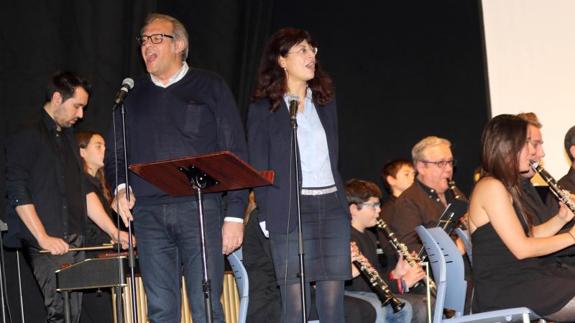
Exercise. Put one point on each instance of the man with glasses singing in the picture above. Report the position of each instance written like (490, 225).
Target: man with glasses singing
(426, 199)
(173, 112)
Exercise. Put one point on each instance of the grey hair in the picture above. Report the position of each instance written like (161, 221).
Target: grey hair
(180, 32)
(423, 144)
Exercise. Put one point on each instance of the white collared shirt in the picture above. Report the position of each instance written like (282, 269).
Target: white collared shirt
(178, 76)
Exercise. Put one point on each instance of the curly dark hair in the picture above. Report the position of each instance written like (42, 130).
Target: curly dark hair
(271, 83)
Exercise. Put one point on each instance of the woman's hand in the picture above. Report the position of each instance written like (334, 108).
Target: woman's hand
(564, 214)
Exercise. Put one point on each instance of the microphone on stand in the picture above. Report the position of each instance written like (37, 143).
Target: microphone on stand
(127, 85)
(293, 105)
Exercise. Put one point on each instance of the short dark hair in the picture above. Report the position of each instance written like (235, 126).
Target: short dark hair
(392, 168)
(569, 141)
(359, 191)
(65, 83)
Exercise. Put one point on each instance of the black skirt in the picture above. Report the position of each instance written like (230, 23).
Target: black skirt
(326, 231)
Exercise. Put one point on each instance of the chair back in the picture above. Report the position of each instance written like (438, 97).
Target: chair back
(242, 281)
(464, 236)
(448, 271)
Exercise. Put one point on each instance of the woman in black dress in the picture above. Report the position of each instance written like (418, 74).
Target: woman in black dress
(507, 270)
(288, 71)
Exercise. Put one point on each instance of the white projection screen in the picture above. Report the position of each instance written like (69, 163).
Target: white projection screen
(530, 49)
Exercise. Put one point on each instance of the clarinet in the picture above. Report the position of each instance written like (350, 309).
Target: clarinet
(454, 189)
(556, 189)
(457, 196)
(378, 285)
(401, 248)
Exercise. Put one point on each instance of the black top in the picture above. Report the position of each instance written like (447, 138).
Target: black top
(390, 255)
(194, 116)
(539, 211)
(366, 243)
(418, 205)
(568, 181)
(95, 236)
(43, 168)
(502, 281)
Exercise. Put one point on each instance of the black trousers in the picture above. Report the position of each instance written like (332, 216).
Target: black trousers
(44, 266)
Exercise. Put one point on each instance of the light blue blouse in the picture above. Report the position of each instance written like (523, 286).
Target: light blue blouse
(313, 150)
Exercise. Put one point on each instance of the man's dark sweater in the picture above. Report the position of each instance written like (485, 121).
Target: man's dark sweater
(194, 116)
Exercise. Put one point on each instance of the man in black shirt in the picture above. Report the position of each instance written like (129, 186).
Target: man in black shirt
(540, 209)
(48, 198)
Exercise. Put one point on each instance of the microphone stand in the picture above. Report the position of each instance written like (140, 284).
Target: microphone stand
(131, 258)
(3, 227)
(295, 150)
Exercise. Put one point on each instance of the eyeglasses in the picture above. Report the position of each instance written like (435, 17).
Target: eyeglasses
(441, 163)
(303, 51)
(373, 205)
(155, 38)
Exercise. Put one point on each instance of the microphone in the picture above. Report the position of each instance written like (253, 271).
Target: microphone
(127, 85)
(293, 104)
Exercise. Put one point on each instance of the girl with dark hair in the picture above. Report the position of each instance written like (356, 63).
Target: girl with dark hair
(97, 305)
(289, 68)
(507, 270)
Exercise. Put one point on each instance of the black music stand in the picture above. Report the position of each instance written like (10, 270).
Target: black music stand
(210, 173)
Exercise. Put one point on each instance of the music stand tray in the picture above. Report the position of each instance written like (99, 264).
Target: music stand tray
(229, 172)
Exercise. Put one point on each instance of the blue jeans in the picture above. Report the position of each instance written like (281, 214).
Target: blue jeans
(384, 314)
(168, 239)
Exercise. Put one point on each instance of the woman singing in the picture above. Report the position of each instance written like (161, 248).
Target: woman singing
(289, 70)
(507, 270)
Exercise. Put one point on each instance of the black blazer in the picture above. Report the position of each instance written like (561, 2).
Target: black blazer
(269, 147)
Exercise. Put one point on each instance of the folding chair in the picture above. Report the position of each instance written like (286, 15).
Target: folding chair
(242, 281)
(448, 272)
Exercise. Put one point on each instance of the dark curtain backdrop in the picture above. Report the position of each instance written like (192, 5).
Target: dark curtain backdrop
(402, 70)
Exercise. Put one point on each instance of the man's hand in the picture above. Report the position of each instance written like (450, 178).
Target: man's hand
(53, 245)
(232, 236)
(122, 206)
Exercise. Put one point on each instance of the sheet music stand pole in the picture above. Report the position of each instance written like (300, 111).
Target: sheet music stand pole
(199, 180)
